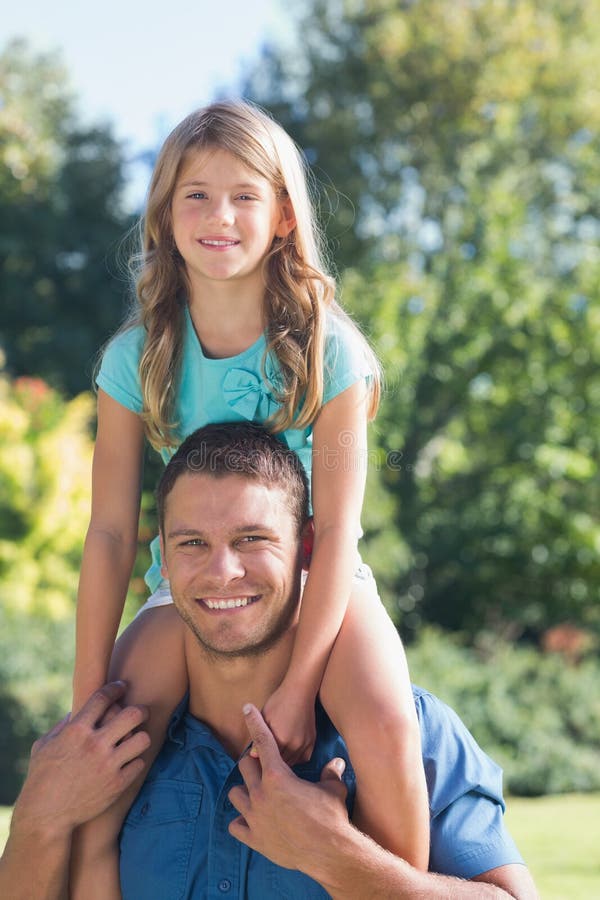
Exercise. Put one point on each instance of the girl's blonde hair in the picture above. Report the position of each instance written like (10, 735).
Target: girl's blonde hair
(298, 290)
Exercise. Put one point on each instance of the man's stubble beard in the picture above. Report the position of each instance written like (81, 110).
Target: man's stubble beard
(279, 627)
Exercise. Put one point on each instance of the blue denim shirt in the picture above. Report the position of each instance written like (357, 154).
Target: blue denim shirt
(175, 844)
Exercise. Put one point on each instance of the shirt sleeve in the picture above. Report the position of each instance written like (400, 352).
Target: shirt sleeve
(118, 375)
(468, 834)
(345, 359)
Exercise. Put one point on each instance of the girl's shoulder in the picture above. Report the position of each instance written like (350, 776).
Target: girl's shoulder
(346, 358)
(127, 341)
(337, 327)
(118, 374)
(343, 337)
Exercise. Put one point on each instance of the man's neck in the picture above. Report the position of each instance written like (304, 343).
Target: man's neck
(219, 688)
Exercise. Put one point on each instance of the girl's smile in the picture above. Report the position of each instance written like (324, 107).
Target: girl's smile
(218, 243)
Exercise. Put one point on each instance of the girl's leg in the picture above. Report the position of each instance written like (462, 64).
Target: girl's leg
(367, 693)
(150, 657)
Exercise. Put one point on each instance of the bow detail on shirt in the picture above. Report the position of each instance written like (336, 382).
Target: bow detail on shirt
(248, 395)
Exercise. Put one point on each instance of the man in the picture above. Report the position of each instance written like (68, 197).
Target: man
(234, 530)
(76, 771)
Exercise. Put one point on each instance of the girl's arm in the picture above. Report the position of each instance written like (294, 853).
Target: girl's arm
(110, 544)
(338, 481)
(366, 689)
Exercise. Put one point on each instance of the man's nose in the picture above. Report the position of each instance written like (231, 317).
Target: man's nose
(224, 565)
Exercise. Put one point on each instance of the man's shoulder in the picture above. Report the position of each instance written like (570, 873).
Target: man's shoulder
(455, 764)
(432, 711)
(434, 714)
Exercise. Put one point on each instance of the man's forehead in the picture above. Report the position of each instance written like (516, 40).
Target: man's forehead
(233, 500)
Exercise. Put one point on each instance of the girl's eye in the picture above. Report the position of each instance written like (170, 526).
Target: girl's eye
(197, 195)
(246, 197)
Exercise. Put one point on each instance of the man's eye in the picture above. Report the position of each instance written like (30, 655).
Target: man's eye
(193, 542)
(252, 539)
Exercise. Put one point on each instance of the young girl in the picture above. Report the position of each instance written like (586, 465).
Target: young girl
(237, 319)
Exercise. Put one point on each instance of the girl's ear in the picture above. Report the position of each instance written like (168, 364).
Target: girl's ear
(287, 219)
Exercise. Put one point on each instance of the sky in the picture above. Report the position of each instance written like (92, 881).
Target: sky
(142, 65)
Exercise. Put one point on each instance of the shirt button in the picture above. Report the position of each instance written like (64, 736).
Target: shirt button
(224, 885)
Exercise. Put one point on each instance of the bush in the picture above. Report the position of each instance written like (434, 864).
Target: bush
(45, 456)
(45, 466)
(534, 713)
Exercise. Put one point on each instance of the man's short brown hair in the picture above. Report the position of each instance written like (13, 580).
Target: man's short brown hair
(239, 448)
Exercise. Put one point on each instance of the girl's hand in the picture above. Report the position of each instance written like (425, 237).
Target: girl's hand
(291, 717)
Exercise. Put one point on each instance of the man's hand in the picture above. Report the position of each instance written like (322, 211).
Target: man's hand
(281, 816)
(82, 765)
(305, 826)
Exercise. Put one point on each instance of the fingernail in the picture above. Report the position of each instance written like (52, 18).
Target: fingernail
(339, 765)
(247, 708)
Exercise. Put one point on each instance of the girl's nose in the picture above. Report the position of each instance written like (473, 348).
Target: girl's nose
(221, 212)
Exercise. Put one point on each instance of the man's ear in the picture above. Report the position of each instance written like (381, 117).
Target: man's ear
(307, 537)
(163, 568)
(287, 221)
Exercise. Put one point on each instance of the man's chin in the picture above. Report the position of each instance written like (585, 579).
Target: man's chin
(231, 645)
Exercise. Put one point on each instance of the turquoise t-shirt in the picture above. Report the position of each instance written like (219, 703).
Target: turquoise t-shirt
(228, 390)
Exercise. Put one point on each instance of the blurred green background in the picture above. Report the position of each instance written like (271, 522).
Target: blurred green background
(455, 154)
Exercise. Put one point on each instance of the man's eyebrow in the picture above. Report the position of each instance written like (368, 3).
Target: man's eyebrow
(184, 532)
(250, 527)
(254, 527)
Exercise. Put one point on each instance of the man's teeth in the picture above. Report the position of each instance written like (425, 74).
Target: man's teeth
(231, 603)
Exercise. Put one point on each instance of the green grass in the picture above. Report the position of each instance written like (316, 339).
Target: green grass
(559, 838)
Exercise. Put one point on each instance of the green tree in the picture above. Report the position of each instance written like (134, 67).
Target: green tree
(61, 224)
(460, 138)
(410, 111)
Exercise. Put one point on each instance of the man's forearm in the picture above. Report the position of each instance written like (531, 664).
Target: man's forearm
(35, 864)
(351, 866)
(304, 826)
(75, 772)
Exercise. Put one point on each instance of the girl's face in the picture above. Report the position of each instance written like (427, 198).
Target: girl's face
(224, 219)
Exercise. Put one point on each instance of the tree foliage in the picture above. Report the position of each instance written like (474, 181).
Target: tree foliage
(61, 222)
(45, 462)
(424, 115)
(461, 140)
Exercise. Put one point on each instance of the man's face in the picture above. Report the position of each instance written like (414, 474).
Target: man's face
(232, 554)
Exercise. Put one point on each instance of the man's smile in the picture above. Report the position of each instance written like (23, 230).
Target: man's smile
(221, 603)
